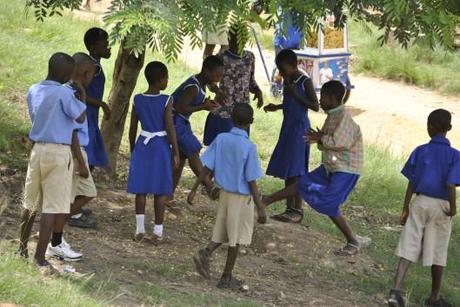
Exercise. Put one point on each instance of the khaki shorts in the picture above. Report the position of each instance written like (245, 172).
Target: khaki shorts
(427, 231)
(235, 219)
(49, 179)
(82, 186)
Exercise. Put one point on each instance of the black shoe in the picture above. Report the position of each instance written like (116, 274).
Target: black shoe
(201, 260)
(396, 299)
(230, 282)
(439, 303)
(83, 221)
(86, 211)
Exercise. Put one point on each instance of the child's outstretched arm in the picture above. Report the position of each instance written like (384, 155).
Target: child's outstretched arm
(205, 172)
(76, 152)
(271, 107)
(261, 215)
(407, 199)
(133, 129)
(452, 200)
(183, 104)
(171, 132)
(98, 103)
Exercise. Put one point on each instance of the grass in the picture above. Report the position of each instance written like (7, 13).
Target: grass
(375, 204)
(419, 65)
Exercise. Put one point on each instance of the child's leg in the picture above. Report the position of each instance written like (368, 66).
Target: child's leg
(79, 202)
(27, 221)
(201, 258)
(46, 227)
(287, 192)
(401, 271)
(159, 204)
(140, 213)
(436, 277)
(352, 246)
(177, 173)
(196, 166)
(290, 200)
(231, 260)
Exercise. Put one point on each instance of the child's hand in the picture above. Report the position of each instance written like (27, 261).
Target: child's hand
(259, 96)
(191, 197)
(106, 110)
(404, 216)
(81, 93)
(210, 104)
(83, 170)
(220, 98)
(314, 136)
(176, 160)
(261, 215)
(271, 107)
(452, 212)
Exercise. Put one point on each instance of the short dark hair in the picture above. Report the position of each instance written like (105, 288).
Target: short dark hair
(81, 57)
(242, 114)
(58, 62)
(212, 62)
(286, 56)
(440, 119)
(336, 89)
(155, 71)
(93, 35)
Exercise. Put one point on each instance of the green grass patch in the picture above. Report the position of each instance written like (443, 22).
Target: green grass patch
(418, 64)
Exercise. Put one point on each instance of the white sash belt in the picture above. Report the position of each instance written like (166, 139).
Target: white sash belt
(150, 135)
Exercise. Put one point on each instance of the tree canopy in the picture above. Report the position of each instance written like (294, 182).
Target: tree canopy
(163, 24)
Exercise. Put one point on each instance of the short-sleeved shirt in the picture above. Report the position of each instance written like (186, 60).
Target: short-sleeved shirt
(432, 166)
(82, 129)
(53, 109)
(233, 158)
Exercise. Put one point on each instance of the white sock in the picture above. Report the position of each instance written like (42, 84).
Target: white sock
(140, 227)
(158, 230)
(77, 216)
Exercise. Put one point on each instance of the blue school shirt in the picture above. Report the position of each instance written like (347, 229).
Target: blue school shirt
(53, 109)
(82, 129)
(197, 100)
(432, 166)
(234, 160)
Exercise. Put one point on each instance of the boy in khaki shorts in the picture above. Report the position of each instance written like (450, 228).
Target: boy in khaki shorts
(83, 188)
(53, 110)
(433, 171)
(233, 160)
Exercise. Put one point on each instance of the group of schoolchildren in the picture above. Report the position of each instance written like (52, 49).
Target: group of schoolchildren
(64, 110)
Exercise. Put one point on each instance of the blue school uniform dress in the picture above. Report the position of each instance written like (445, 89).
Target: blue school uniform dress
(291, 155)
(432, 166)
(186, 140)
(327, 187)
(97, 155)
(150, 170)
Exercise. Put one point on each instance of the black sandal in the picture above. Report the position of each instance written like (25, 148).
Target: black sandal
(230, 282)
(441, 302)
(291, 215)
(396, 299)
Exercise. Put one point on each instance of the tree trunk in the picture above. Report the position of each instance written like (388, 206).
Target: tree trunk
(126, 71)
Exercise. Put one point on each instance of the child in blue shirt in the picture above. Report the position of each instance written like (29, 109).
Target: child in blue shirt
(433, 171)
(83, 188)
(54, 110)
(190, 97)
(155, 152)
(290, 157)
(233, 160)
(97, 42)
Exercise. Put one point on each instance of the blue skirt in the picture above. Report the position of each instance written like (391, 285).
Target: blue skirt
(95, 148)
(291, 155)
(215, 125)
(326, 192)
(150, 169)
(186, 140)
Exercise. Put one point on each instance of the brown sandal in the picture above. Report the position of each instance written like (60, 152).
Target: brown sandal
(348, 250)
(291, 215)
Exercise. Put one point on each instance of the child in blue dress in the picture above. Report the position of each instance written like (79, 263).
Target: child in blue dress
(327, 187)
(290, 158)
(156, 149)
(96, 41)
(190, 97)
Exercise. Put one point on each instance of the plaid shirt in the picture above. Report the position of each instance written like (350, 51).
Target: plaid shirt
(342, 143)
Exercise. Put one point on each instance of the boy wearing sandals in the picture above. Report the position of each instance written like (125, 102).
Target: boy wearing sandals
(233, 160)
(433, 171)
